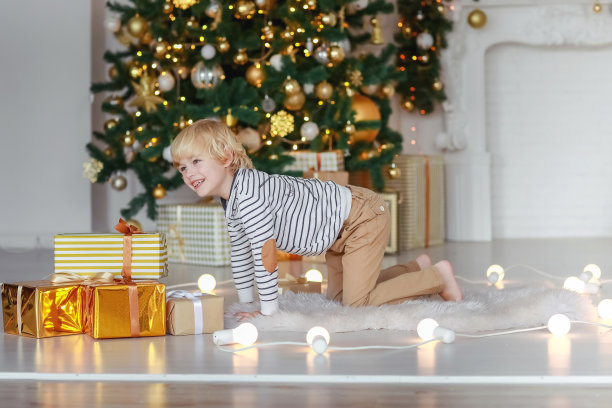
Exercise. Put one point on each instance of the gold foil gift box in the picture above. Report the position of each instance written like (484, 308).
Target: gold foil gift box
(42, 308)
(193, 313)
(88, 254)
(125, 309)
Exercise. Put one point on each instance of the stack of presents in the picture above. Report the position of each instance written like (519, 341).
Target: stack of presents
(107, 285)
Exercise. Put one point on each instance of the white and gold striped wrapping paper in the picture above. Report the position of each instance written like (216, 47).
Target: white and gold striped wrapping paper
(197, 233)
(306, 160)
(87, 254)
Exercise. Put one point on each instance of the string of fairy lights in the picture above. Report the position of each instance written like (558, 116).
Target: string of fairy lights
(428, 330)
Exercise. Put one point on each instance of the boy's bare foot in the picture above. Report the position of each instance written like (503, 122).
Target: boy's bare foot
(452, 291)
(424, 261)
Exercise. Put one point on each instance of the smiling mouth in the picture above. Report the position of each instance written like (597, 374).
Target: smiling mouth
(197, 184)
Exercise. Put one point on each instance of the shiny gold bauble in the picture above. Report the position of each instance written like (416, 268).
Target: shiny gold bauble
(159, 192)
(241, 57)
(128, 139)
(183, 72)
(255, 75)
(437, 85)
(387, 91)
(137, 26)
(328, 19)
(291, 87)
(230, 120)
(114, 100)
(336, 54)
(597, 8)
(160, 49)
(168, 8)
(365, 110)
(147, 39)
(113, 72)
(111, 123)
(244, 9)
(477, 18)
(407, 31)
(223, 45)
(324, 90)
(440, 8)
(135, 70)
(109, 152)
(118, 182)
(424, 59)
(370, 89)
(268, 32)
(295, 101)
(135, 223)
(394, 172)
(407, 105)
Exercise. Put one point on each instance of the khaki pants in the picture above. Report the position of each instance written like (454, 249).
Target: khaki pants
(354, 260)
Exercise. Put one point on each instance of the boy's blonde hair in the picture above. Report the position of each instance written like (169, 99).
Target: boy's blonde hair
(212, 138)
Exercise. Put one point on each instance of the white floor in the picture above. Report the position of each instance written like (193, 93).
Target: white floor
(523, 369)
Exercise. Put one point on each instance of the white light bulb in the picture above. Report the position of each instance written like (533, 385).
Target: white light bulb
(559, 324)
(245, 334)
(578, 285)
(495, 273)
(314, 275)
(318, 338)
(207, 283)
(605, 309)
(425, 329)
(591, 273)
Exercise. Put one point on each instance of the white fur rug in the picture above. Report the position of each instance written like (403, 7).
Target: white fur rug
(482, 309)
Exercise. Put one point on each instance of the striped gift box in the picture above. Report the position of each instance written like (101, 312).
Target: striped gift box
(322, 161)
(87, 254)
(197, 233)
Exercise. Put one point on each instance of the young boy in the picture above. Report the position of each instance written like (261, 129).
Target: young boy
(304, 217)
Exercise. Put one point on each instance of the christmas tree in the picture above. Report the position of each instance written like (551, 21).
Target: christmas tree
(283, 74)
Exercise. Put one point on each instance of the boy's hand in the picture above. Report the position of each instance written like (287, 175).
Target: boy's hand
(242, 316)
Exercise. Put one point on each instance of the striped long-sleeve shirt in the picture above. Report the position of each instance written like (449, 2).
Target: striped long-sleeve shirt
(303, 216)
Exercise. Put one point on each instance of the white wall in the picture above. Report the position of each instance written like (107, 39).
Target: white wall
(549, 132)
(44, 120)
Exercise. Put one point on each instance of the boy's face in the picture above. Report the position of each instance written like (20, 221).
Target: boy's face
(206, 176)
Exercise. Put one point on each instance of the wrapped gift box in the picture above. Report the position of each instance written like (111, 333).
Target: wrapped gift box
(125, 309)
(323, 161)
(197, 233)
(297, 286)
(338, 177)
(88, 254)
(42, 309)
(421, 199)
(194, 315)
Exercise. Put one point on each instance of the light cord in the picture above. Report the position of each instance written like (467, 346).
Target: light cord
(293, 343)
(478, 336)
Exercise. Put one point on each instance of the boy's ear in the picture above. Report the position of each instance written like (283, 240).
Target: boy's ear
(229, 158)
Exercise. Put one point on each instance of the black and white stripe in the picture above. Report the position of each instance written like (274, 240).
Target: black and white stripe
(303, 216)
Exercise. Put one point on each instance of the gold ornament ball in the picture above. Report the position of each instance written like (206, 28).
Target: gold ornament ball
(336, 54)
(128, 139)
(135, 223)
(268, 32)
(477, 18)
(160, 49)
(407, 31)
(135, 70)
(425, 59)
(394, 172)
(147, 38)
(291, 87)
(137, 26)
(328, 19)
(295, 101)
(111, 123)
(440, 8)
(118, 182)
(168, 8)
(370, 89)
(408, 105)
(250, 139)
(437, 85)
(223, 45)
(349, 128)
(109, 152)
(241, 57)
(365, 110)
(597, 8)
(159, 192)
(255, 75)
(113, 72)
(244, 9)
(387, 91)
(183, 72)
(324, 90)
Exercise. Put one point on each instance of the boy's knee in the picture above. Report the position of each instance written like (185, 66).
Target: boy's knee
(268, 255)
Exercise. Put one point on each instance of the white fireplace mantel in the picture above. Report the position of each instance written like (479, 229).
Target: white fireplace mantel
(464, 141)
